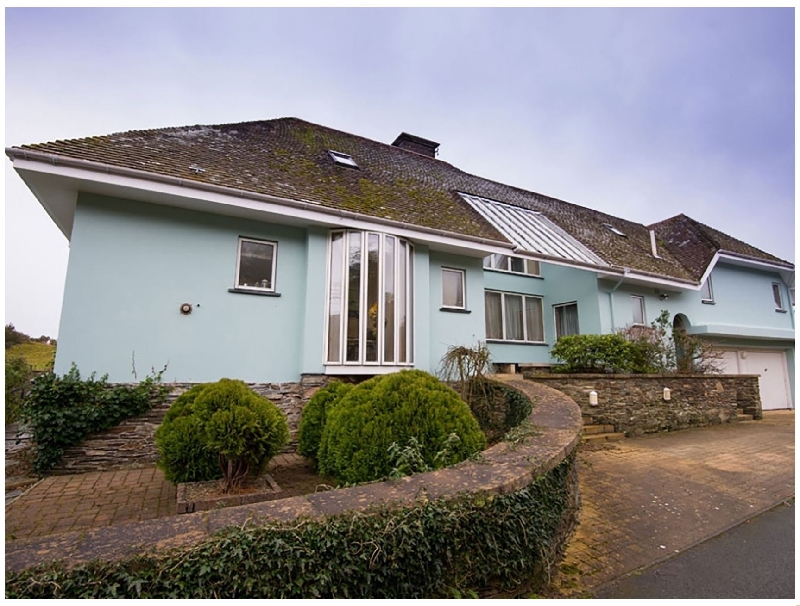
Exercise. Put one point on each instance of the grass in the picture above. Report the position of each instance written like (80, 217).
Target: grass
(38, 355)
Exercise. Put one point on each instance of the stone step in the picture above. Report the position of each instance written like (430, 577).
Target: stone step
(590, 429)
(603, 437)
(744, 417)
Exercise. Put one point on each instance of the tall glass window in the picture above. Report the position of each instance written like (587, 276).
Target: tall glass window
(370, 278)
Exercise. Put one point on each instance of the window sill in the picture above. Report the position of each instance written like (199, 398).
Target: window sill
(707, 302)
(514, 273)
(258, 293)
(504, 341)
(781, 311)
(365, 369)
(455, 310)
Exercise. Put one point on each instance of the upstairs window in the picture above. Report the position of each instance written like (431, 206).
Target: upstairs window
(342, 159)
(638, 310)
(255, 266)
(706, 292)
(516, 265)
(776, 294)
(566, 316)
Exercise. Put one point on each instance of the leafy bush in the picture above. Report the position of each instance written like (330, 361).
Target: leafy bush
(62, 411)
(598, 353)
(18, 382)
(395, 408)
(219, 429)
(315, 414)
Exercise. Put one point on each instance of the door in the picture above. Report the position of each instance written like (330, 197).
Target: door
(774, 377)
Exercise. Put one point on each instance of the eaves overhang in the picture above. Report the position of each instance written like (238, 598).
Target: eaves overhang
(56, 181)
(784, 269)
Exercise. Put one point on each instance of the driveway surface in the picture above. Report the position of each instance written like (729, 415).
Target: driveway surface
(646, 499)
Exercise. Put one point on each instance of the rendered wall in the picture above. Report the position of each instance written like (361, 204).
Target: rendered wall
(132, 265)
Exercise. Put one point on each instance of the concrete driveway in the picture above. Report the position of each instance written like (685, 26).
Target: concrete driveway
(647, 498)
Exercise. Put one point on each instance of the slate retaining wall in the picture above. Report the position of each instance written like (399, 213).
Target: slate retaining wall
(634, 404)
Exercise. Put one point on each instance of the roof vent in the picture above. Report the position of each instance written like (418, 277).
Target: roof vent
(417, 145)
(613, 229)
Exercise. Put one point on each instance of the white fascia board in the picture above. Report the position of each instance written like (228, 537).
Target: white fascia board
(709, 268)
(256, 206)
(786, 273)
(755, 332)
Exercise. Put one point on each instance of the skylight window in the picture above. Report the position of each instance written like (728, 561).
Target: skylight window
(342, 159)
(613, 229)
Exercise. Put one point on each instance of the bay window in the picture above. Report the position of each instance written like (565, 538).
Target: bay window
(369, 299)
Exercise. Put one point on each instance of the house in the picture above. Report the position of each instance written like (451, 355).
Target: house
(274, 249)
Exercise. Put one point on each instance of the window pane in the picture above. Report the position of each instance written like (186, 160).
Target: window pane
(517, 265)
(373, 296)
(353, 296)
(487, 261)
(638, 310)
(388, 297)
(494, 318)
(410, 311)
(532, 268)
(500, 261)
(335, 300)
(776, 294)
(452, 288)
(533, 319)
(566, 320)
(514, 318)
(255, 264)
(401, 300)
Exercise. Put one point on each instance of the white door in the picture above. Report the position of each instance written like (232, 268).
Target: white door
(774, 379)
(729, 364)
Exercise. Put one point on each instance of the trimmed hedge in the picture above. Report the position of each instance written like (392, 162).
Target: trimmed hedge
(435, 549)
(315, 414)
(219, 429)
(599, 354)
(411, 409)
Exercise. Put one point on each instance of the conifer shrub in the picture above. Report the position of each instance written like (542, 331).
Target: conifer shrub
(315, 413)
(220, 429)
(408, 408)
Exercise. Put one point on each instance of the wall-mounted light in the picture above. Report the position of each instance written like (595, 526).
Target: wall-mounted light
(186, 309)
(592, 398)
(663, 296)
(667, 394)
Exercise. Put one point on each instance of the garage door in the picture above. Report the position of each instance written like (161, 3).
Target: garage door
(774, 376)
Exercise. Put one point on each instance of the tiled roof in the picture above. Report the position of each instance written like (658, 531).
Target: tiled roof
(289, 158)
(695, 244)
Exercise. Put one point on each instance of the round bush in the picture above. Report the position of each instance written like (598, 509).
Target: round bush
(219, 429)
(315, 414)
(410, 409)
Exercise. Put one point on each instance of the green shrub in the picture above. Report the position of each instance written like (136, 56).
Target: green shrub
(219, 429)
(599, 353)
(18, 382)
(393, 409)
(62, 411)
(315, 414)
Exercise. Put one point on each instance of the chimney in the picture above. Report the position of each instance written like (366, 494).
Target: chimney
(653, 243)
(418, 145)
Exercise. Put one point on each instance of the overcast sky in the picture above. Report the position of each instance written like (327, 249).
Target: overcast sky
(640, 113)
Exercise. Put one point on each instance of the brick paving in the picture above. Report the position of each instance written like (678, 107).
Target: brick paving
(647, 498)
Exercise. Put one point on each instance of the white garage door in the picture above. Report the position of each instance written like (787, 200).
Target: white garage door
(774, 376)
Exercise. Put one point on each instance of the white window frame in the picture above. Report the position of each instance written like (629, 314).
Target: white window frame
(463, 274)
(490, 263)
(375, 366)
(271, 287)
(504, 324)
(555, 317)
(639, 300)
(707, 284)
(777, 296)
(342, 159)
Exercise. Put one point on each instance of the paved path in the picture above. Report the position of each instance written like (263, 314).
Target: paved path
(647, 498)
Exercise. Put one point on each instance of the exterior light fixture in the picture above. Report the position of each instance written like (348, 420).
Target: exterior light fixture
(592, 398)
(667, 394)
(186, 309)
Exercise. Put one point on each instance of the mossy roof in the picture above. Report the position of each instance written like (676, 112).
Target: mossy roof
(288, 158)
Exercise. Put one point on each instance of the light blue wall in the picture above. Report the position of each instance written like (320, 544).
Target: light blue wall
(450, 328)
(132, 265)
(313, 326)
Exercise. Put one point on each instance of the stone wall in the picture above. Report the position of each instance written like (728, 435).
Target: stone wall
(634, 404)
(131, 443)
